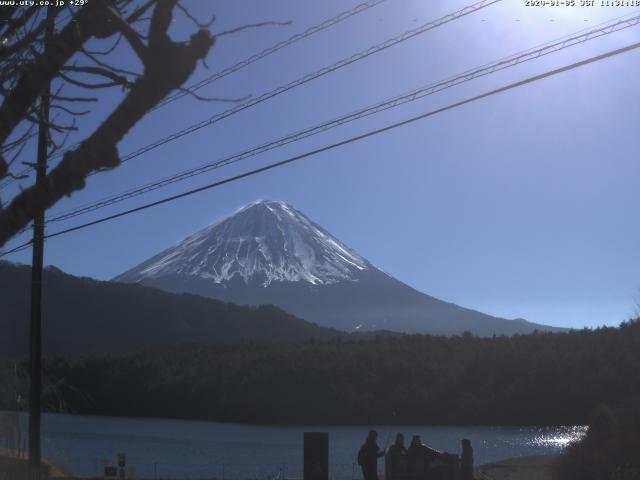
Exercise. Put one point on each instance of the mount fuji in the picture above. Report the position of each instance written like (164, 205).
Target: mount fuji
(270, 253)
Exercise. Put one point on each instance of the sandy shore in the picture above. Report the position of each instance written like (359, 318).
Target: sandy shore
(521, 468)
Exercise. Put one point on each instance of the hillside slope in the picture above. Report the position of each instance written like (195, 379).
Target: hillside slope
(85, 315)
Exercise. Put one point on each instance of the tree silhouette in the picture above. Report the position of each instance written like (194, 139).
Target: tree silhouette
(29, 63)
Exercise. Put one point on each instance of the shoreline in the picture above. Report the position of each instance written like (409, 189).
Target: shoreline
(539, 467)
(307, 424)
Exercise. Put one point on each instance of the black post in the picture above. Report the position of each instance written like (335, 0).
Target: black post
(35, 344)
(316, 456)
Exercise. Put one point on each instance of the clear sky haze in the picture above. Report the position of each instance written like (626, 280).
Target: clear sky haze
(519, 205)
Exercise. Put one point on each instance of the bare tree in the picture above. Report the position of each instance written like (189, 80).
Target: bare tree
(28, 65)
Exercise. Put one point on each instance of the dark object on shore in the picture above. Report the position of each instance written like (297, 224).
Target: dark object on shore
(418, 451)
(424, 463)
(316, 456)
(368, 456)
(466, 460)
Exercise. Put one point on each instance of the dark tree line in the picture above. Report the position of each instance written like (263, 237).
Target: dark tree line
(532, 379)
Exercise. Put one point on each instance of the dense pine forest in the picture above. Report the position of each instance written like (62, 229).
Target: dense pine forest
(536, 379)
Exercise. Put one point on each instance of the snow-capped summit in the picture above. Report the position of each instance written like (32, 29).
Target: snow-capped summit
(264, 241)
(270, 253)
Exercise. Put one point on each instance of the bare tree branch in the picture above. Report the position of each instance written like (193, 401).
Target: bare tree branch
(129, 33)
(250, 25)
(104, 72)
(69, 111)
(108, 50)
(194, 19)
(213, 99)
(97, 61)
(12, 25)
(53, 126)
(73, 99)
(26, 40)
(17, 154)
(80, 83)
(23, 138)
(166, 67)
(90, 22)
(136, 15)
(17, 177)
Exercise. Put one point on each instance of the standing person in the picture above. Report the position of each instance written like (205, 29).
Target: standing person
(466, 460)
(395, 455)
(368, 456)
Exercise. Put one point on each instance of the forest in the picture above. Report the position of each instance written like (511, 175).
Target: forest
(535, 379)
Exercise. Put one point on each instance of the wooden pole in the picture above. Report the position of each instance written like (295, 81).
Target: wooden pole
(35, 344)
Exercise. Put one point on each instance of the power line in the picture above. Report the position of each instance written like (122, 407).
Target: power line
(19, 248)
(273, 49)
(307, 78)
(414, 95)
(350, 140)
(243, 63)
(312, 76)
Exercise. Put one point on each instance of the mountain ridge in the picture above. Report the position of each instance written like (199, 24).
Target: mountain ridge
(269, 252)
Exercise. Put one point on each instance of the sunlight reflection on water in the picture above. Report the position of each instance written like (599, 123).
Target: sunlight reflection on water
(561, 438)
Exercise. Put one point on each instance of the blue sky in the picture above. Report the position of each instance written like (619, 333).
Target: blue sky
(521, 205)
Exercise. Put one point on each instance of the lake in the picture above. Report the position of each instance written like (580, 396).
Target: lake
(161, 448)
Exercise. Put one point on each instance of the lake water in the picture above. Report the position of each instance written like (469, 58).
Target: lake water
(160, 448)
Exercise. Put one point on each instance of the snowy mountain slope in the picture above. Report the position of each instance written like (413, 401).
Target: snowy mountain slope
(269, 252)
(267, 239)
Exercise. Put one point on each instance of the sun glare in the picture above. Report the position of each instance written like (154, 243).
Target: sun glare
(587, 12)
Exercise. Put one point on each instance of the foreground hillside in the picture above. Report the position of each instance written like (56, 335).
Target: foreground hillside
(82, 315)
(610, 449)
(542, 379)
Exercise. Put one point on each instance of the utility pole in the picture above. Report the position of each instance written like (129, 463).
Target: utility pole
(35, 344)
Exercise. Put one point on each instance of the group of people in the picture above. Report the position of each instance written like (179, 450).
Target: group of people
(397, 454)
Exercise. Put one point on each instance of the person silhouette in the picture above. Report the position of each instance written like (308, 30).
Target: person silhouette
(368, 456)
(466, 460)
(396, 453)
